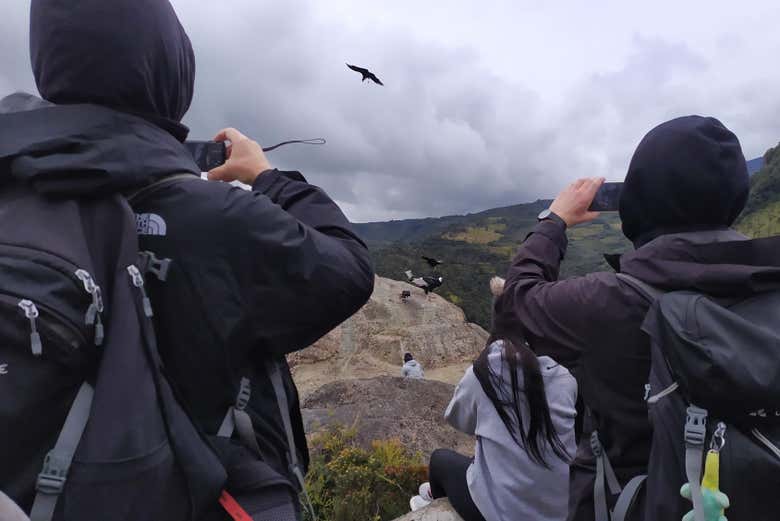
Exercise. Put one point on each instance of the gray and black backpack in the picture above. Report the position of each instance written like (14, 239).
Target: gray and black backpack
(714, 385)
(90, 428)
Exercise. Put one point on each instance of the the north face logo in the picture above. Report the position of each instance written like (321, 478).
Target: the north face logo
(150, 224)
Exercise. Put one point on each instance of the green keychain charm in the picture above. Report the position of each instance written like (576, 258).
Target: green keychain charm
(714, 501)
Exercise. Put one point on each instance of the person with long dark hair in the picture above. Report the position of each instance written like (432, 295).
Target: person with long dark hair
(522, 410)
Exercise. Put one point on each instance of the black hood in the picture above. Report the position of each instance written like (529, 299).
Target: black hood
(83, 150)
(687, 174)
(130, 55)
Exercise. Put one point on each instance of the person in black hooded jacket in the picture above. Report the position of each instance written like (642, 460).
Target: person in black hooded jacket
(254, 275)
(686, 185)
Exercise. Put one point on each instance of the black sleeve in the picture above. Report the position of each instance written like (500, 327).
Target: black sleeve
(558, 316)
(304, 268)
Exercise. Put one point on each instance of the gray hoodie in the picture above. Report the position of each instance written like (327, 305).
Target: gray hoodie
(505, 484)
(412, 369)
(9, 511)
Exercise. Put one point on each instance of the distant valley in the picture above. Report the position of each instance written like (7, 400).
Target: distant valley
(477, 246)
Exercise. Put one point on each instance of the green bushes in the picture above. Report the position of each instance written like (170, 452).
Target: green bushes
(348, 483)
(761, 217)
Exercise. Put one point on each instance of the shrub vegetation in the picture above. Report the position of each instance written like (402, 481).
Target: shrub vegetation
(349, 483)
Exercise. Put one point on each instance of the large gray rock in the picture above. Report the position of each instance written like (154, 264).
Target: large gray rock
(439, 510)
(374, 340)
(386, 407)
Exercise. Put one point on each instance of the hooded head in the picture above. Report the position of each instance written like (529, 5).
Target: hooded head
(688, 174)
(408, 357)
(129, 55)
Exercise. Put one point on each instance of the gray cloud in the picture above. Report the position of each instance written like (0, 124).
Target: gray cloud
(450, 132)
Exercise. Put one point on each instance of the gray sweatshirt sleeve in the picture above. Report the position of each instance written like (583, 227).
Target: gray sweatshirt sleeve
(461, 413)
(9, 511)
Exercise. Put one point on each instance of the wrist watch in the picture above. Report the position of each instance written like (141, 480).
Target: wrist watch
(549, 215)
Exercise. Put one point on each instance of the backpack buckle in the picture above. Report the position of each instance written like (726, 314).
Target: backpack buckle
(695, 425)
(51, 480)
(244, 393)
(148, 262)
(595, 444)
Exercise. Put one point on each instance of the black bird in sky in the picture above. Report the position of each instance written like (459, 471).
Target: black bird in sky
(432, 262)
(367, 74)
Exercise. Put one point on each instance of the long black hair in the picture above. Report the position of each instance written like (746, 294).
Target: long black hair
(540, 436)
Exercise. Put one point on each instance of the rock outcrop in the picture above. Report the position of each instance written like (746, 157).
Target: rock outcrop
(388, 407)
(373, 341)
(439, 510)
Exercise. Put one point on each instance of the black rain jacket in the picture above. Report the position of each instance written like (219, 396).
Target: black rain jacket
(591, 325)
(255, 274)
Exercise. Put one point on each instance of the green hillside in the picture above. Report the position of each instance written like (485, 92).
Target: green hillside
(478, 246)
(761, 217)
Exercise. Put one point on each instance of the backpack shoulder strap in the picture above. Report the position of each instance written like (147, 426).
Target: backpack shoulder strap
(651, 293)
(139, 194)
(284, 410)
(628, 497)
(51, 480)
(605, 476)
(237, 420)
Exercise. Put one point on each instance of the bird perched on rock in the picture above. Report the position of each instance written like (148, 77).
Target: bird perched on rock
(427, 284)
(367, 74)
(432, 262)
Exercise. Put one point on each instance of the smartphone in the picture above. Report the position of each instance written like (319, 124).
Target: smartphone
(207, 154)
(607, 198)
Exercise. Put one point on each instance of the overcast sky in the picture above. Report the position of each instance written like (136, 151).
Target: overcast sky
(485, 103)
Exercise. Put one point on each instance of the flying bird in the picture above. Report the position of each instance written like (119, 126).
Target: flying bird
(367, 74)
(432, 262)
(426, 283)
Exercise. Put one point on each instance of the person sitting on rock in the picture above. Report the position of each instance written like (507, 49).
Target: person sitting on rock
(522, 410)
(412, 368)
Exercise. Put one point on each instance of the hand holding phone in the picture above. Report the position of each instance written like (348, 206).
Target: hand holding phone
(572, 203)
(245, 159)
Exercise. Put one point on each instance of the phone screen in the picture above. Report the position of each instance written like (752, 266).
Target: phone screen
(207, 154)
(607, 198)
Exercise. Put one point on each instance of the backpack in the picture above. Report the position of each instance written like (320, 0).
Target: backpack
(90, 428)
(714, 385)
(251, 483)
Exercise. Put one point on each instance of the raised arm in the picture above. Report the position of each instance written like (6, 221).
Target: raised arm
(306, 270)
(555, 315)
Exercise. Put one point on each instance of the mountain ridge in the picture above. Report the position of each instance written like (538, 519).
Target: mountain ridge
(479, 245)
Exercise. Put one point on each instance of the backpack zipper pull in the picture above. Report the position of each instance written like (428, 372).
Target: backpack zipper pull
(93, 315)
(138, 282)
(648, 390)
(99, 332)
(31, 312)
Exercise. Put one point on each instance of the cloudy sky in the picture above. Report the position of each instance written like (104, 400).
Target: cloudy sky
(485, 103)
